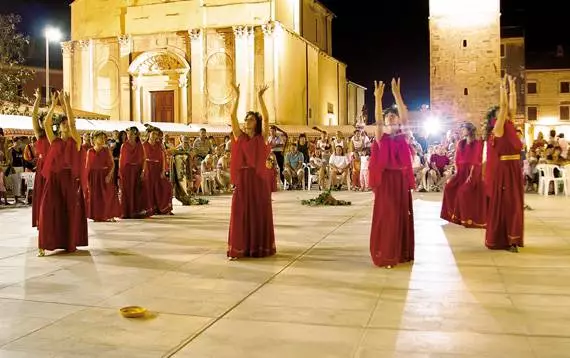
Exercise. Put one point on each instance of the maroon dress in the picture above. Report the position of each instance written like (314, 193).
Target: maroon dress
(159, 187)
(62, 221)
(42, 148)
(251, 221)
(465, 203)
(102, 196)
(134, 193)
(391, 178)
(505, 188)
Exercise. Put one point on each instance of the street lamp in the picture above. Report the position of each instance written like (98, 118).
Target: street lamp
(53, 35)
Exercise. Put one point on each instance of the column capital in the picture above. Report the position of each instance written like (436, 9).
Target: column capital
(268, 28)
(242, 31)
(84, 44)
(67, 48)
(195, 34)
(183, 81)
(125, 44)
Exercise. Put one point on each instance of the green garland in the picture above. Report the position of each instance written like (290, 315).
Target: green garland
(491, 114)
(325, 199)
(198, 201)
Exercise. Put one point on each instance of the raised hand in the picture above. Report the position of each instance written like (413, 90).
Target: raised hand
(512, 84)
(38, 95)
(263, 89)
(378, 89)
(54, 99)
(235, 88)
(503, 92)
(396, 87)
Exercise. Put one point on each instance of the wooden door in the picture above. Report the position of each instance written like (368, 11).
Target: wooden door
(163, 106)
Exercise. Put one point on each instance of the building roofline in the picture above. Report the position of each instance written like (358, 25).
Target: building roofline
(326, 8)
(356, 84)
(547, 69)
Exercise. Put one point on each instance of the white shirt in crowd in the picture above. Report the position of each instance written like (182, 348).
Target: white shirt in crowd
(364, 160)
(339, 161)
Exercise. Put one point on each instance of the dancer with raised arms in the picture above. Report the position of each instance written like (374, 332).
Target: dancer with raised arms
(391, 178)
(251, 223)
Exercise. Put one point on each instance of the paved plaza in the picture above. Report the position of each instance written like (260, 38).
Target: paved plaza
(319, 297)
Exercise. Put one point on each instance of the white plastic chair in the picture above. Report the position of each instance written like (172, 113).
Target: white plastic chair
(312, 176)
(546, 176)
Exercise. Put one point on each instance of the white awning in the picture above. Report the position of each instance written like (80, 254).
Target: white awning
(213, 129)
(172, 128)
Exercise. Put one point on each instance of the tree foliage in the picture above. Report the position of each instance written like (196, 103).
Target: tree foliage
(13, 47)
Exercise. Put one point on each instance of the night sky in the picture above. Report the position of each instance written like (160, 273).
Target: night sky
(375, 44)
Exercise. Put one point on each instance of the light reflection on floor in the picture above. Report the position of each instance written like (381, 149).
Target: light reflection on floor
(320, 297)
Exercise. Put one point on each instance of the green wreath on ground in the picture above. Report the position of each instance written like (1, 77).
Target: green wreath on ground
(198, 201)
(325, 199)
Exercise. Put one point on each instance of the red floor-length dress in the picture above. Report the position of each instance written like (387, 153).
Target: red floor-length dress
(505, 188)
(102, 196)
(159, 187)
(83, 152)
(62, 221)
(251, 222)
(134, 193)
(465, 203)
(42, 148)
(392, 179)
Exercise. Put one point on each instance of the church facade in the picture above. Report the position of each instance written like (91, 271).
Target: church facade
(175, 61)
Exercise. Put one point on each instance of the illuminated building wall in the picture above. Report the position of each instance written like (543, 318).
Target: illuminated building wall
(548, 101)
(147, 59)
(464, 58)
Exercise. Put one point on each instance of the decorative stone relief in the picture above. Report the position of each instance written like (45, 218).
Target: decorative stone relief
(195, 34)
(84, 44)
(160, 63)
(268, 28)
(67, 48)
(219, 77)
(183, 81)
(125, 44)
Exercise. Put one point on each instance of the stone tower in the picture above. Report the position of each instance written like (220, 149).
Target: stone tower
(465, 72)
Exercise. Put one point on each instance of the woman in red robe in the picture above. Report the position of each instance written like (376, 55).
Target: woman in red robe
(503, 176)
(464, 198)
(392, 178)
(132, 165)
(251, 222)
(85, 146)
(159, 187)
(101, 192)
(42, 148)
(62, 221)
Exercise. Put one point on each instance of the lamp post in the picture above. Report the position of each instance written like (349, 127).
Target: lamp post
(53, 35)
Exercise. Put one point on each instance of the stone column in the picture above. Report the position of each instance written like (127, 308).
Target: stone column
(197, 54)
(125, 50)
(270, 70)
(183, 84)
(137, 100)
(86, 76)
(67, 50)
(244, 67)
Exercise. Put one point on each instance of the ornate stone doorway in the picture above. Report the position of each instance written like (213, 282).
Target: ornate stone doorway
(160, 87)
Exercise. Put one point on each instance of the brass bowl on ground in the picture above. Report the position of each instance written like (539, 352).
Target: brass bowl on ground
(133, 312)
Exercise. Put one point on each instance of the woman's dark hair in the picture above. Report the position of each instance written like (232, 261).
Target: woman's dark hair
(134, 130)
(391, 109)
(258, 121)
(561, 135)
(121, 135)
(552, 133)
(471, 133)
